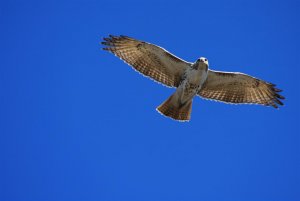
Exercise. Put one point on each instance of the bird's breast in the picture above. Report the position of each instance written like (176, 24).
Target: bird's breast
(196, 76)
(192, 83)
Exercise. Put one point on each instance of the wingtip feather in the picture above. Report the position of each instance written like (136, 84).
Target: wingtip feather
(277, 90)
(280, 96)
(106, 43)
(278, 101)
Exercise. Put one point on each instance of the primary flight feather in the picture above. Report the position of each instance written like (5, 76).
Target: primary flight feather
(190, 79)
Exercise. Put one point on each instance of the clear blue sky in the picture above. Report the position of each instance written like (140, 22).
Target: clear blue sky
(77, 123)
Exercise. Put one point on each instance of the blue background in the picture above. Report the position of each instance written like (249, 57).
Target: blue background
(79, 124)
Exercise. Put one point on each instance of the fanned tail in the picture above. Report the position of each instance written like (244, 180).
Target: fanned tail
(171, 108)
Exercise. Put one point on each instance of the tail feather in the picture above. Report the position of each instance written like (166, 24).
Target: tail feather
(172, 109)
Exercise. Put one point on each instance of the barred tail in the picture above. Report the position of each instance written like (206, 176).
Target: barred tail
(171, 108)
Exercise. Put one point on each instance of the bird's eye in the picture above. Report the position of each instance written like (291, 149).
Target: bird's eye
(205, 59)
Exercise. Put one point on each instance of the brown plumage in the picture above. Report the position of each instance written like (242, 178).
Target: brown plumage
(172, 109)
(239, 88)
(190, 79)
(148, 59)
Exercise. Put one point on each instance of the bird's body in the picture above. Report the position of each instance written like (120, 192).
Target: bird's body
(190, 79)
(193, 79)
(179, 105)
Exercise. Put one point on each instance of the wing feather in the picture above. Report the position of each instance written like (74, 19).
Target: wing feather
(148, 59)
(240, 88)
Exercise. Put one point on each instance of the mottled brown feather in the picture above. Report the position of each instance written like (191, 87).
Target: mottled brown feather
(240, 88)
(148, 59)
(175, 111)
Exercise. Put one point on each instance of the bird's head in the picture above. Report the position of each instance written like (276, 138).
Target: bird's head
(202, 60)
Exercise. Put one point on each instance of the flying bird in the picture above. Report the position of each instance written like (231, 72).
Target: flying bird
(190, 79)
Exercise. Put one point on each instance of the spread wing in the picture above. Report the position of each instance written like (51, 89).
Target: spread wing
(240, 88)
(148, 59)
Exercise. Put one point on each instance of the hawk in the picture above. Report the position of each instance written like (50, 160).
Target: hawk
(190, 79)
